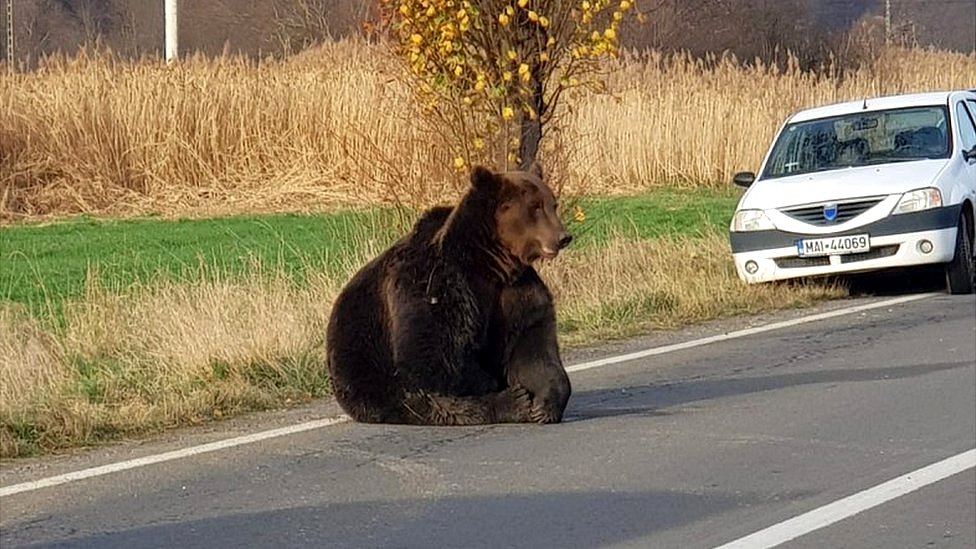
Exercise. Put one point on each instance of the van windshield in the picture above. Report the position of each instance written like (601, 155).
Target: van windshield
(860, 139)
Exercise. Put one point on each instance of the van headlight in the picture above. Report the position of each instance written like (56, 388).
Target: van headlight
(918, 200)
(751, 220)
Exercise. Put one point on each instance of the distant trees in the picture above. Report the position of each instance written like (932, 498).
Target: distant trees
(133, 28)
(765, 29)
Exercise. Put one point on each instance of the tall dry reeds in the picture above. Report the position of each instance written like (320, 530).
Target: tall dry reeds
(93, 134)
(332, 126)
(696, 122)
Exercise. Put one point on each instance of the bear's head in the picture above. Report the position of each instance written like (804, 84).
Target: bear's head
(527, 223)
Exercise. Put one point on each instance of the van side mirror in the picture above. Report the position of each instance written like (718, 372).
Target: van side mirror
(744, 179)
(970, 154)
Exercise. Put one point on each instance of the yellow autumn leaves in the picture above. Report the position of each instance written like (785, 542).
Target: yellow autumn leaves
(491, 55)
(506, 16)
(602, 39)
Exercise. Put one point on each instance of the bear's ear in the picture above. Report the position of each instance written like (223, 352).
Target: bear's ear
(483, 179)
(536, 169)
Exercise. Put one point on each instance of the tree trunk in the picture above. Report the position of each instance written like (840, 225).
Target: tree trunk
(529, 144)
(531, 131)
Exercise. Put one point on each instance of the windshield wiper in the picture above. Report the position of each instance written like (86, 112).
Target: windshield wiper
(892, 160)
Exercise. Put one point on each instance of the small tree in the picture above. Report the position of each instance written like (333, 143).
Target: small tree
(493, 71)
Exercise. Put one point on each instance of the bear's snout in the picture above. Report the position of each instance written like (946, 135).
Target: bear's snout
(565, 240)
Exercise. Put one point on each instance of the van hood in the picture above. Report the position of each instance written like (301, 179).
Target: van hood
(841, 184)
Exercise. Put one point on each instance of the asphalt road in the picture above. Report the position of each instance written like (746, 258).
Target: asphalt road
(691, 448)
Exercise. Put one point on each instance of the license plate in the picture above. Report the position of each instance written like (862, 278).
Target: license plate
(835, 245)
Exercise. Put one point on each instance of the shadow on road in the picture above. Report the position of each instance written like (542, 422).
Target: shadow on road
(569, 519)
(655, 399)
(896, 282)
(887, 283)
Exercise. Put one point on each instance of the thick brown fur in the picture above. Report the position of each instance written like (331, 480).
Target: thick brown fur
(452, 325)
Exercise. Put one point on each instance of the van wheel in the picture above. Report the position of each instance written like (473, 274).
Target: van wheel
(960, 271)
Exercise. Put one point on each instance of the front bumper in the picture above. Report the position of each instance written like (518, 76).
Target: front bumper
(895, 242)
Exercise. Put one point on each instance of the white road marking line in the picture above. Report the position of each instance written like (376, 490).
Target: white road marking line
(310, 425)
(855, 503)
(742, 333)
(168, 456)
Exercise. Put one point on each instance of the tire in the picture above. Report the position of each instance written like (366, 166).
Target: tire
(960, 271)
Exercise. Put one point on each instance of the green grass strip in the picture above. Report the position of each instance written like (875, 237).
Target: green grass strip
(41, 266)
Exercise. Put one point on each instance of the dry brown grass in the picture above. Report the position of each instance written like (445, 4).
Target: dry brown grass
(169, 354)
(330, 127)
(632, 286)
(165, 355)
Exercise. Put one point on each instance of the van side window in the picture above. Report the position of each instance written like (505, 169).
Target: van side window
(967, 128)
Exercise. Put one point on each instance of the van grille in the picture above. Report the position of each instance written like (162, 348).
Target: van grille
(800, 262)
(820, 261)
(814, 215)
(873, 253)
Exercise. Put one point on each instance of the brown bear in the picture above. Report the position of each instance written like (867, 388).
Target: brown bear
(452, 325)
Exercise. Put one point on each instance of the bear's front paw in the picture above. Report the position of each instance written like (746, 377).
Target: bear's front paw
(543, 413)
(517, 404)
(521, 396)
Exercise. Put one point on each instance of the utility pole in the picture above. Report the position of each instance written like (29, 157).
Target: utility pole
(10, 35)
(172, 31)
(887, 21)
